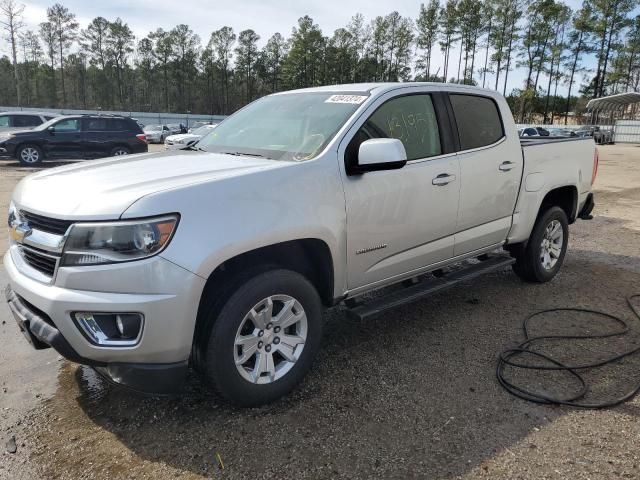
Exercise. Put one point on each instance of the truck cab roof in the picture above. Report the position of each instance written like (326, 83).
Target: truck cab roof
(383, 87)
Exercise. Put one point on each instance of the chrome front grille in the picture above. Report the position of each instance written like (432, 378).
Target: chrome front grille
(37, 244)
(42, 261)
(45, 224)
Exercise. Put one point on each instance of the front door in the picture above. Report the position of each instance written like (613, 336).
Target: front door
(399, 221)
(65, 140)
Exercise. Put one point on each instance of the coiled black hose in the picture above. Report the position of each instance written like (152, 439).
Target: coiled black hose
(507, 359)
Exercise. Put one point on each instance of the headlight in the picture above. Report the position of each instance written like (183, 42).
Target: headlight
(13, 218)
(113, 242)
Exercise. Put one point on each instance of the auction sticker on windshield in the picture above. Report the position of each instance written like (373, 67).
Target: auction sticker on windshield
(355, 99)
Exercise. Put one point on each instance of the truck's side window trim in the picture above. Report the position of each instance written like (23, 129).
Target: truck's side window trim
(444, 130)
(461, 147)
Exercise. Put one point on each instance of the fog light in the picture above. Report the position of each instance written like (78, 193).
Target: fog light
(111, 329)
(128, 325)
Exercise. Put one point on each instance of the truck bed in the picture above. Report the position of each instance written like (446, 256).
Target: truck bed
(550, 163)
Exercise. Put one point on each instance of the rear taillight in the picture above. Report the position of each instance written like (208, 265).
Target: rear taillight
(142, 137)
(596, 160)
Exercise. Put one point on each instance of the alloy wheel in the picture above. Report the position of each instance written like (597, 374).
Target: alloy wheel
(551, 246)
(270, 339)
(30, 155)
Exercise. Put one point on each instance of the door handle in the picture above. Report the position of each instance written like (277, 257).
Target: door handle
(443, 179)
(506, 166)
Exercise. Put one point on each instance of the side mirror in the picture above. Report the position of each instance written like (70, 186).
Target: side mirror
(52, 129)
(381, 154)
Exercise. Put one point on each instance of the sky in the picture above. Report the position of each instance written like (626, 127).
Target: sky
(264, 16)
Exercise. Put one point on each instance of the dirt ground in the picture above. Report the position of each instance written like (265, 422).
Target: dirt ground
(410, 394)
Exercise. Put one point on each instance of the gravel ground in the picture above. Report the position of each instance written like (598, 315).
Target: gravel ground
(410, 394)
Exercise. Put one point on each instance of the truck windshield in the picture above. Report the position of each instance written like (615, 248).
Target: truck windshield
(293, 126)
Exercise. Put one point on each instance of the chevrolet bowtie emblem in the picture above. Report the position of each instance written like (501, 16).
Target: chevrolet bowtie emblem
(20, 231)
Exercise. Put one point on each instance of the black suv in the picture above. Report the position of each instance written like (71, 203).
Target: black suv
(75, 137)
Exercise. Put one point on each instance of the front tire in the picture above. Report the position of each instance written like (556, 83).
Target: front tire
(30, 155)
(264, 339)
(544, 254)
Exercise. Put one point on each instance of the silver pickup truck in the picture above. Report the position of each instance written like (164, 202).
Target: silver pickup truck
(223, 256)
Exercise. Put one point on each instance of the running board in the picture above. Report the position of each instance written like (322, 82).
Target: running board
(467, 271)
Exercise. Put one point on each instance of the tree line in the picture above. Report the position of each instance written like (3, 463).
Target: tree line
(102, 65)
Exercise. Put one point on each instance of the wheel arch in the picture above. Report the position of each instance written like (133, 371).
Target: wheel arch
(311, 257)
(118, 145)
(565, 197)
(533, 204)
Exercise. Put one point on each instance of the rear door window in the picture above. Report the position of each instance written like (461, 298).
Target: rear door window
(478, 119)
(118, 125)
(96, 125)
(4, 121)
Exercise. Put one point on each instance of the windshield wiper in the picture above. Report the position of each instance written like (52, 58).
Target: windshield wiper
(242, 154)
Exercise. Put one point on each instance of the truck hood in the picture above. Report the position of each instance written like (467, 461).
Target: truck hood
(104, 189)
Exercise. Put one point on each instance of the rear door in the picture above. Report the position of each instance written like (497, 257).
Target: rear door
(490, 172)
(400, 221)
(96, 136)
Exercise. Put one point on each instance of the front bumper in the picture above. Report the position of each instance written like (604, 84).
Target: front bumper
(158, 362)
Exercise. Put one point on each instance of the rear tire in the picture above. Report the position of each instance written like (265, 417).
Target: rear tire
(544, 254)
(118, 151)
(264, 339)
(30, 155)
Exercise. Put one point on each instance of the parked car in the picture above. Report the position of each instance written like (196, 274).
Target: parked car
(562, 132)
(14, 121)
(186, 140)
(74, 137)
(198, 124)
(600, 136)
(223, 258)
(528, 132)
(603, 137)
(156, 133)
(175, 128)
(534, 132)
(587, 130)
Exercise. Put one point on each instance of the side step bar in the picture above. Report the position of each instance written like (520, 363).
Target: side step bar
(430, 286)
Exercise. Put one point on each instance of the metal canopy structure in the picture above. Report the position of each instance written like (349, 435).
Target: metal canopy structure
(613, 103)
